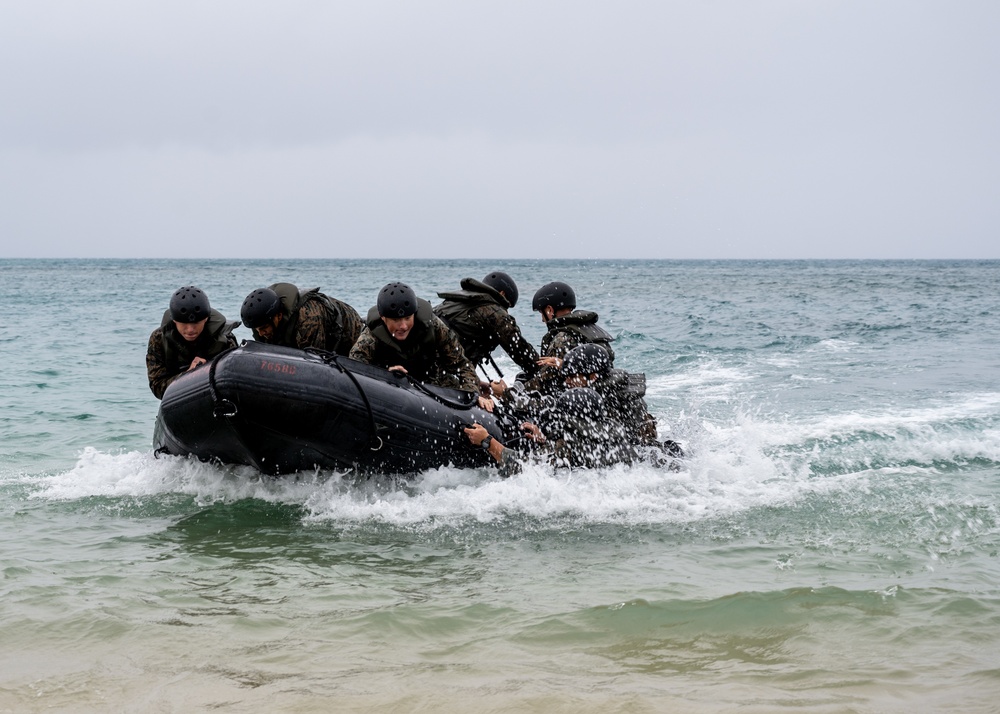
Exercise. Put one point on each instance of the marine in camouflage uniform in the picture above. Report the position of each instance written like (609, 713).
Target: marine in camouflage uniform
(478, 315)
(567, 328)
(589, 365)
(309, 318)
(577, 328)
(572, 432)
(581, 433)
(168, 354)
(564, 333)
(431, 353)
(623, 394)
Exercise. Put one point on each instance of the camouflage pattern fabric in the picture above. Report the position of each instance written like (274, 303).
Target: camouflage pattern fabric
(328, 324)
(496, 327)
(168, 355)
(590, 443)
(577, 328)
(446, 367)
(627, 409)
(159, 373)
(575, 452)
(564, 333)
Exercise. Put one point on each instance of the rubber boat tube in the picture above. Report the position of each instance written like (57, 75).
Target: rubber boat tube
(283, 410)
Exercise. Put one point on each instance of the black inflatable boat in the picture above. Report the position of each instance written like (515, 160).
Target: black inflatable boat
(284, 410)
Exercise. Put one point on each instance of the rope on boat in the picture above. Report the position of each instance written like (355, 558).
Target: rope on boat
(220, 407)
(333, 359)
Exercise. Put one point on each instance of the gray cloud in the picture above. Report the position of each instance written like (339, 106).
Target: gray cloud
(724, 129)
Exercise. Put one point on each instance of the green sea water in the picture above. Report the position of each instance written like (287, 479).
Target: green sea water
(831, 544)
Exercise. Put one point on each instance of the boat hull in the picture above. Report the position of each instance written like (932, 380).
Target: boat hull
(283, 410)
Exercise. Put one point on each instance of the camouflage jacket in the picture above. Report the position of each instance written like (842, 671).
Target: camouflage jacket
(577, 328)
(431, 352)
(478, 315)
(313, 319)
(622, 393)
(580, 445)
(168, 355)
(588, 446)
(564, 333)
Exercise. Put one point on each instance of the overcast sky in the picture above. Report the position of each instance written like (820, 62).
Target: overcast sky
(662, 129)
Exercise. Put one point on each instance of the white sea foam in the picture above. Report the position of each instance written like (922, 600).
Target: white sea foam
(834, 345)
(784, 362)
(806, 378)
(711, 382)
(140, 474)
(712, 486)
(745, 462)
(946, 419)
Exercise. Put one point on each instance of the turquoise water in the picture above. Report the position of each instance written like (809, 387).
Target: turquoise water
(830, 546)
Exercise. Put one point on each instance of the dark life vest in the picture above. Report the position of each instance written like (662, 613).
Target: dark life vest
(582, 325)
(291, 300)
(215, 338)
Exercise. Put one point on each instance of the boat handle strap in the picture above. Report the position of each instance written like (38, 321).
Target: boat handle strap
(220, 407)
(375, 441)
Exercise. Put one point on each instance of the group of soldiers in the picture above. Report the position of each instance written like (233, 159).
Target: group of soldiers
(569, 403)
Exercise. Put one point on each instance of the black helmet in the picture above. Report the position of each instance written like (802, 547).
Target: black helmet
(259, 307)
(588, 358)
(555, 294)
(397, 300)
(501, 282)
(189, 304)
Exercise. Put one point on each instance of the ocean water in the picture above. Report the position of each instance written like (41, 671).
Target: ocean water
(830, 545)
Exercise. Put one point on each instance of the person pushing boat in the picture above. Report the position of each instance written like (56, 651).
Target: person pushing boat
(403, 335)
(190, 334)
(282, 314)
